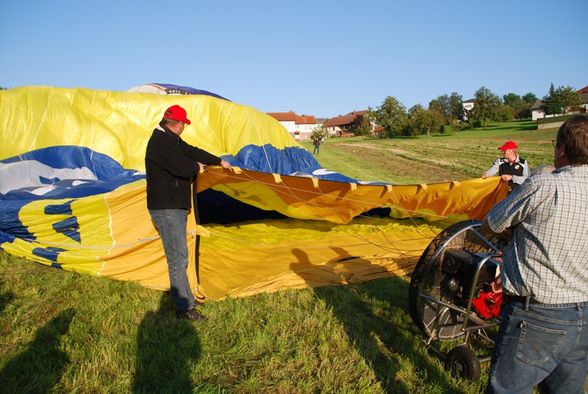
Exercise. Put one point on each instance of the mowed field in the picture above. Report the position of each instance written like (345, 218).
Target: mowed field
(64, 332)
(437, 158)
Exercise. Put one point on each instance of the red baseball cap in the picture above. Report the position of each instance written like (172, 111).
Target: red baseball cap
(175, 112)
(507, 145)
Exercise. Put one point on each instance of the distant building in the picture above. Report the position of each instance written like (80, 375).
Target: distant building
(537, 110)
(584, 93)
(299, 126)
(468, 106)
(537, 107)
(343, 124)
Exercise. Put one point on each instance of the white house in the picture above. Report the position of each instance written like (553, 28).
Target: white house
(537, 111)
(467, 105)
(299, 126)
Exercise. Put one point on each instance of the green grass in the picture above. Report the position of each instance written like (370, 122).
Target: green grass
(66, 332)
(437, 158)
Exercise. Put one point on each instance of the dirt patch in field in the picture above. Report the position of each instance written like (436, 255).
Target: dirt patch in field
(399, 162)
(424, 156)
(371, 146)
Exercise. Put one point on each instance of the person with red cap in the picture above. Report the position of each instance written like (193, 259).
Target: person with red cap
(170, 164)
(511, 168)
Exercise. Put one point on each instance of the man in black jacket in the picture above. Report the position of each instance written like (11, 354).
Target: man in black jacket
(170, 164)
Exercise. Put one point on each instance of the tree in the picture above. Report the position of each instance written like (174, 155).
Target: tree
(449, 107)
(363, 126)
(442, 104)
(456, 107)
(529, 98)
(570, 99)
(418, 121)
(511, 99)
(504, 113)
(524, 110)
(486, 105)
(521, 106)
(391, 115)
(437, 121)
(561, 100)
(319, 133)
(423, 121)
(551, 102)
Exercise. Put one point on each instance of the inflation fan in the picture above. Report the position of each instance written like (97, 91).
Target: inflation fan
(455, 296)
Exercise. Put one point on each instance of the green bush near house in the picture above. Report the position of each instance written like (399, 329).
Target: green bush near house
(554, 119)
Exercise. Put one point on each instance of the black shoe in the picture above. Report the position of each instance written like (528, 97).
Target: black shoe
(192, 314)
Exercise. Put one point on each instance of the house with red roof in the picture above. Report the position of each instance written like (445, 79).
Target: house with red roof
(342, 124)
(584, 93)
(299, 126)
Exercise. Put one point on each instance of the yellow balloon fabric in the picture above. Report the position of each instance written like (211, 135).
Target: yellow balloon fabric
(71, 218)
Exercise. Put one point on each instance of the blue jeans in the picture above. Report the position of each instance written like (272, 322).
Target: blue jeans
(545, 344)
(171, 225)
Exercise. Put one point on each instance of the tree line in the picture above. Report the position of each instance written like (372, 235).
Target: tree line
(447, 111)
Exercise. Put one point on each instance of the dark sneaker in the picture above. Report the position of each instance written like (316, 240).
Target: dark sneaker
(192, 314)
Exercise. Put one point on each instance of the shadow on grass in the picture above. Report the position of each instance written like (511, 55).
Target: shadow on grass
(368, 328)
(39, 367)
(5, 299)
(167, 349)
(527, 127)
(510, 126)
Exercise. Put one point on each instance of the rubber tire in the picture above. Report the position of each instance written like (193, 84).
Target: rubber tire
(462, 362)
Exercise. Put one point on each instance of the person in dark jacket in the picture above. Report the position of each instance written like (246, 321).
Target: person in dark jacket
(317, 141)
(170, 164)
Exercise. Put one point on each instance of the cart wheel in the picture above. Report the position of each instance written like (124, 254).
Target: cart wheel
(431, 318)
(463, 362)
(432, 289)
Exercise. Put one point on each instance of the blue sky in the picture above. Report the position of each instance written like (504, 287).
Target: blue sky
(322, 58)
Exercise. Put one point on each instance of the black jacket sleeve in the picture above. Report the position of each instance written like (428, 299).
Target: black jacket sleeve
(169, 153)
(199, 155)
